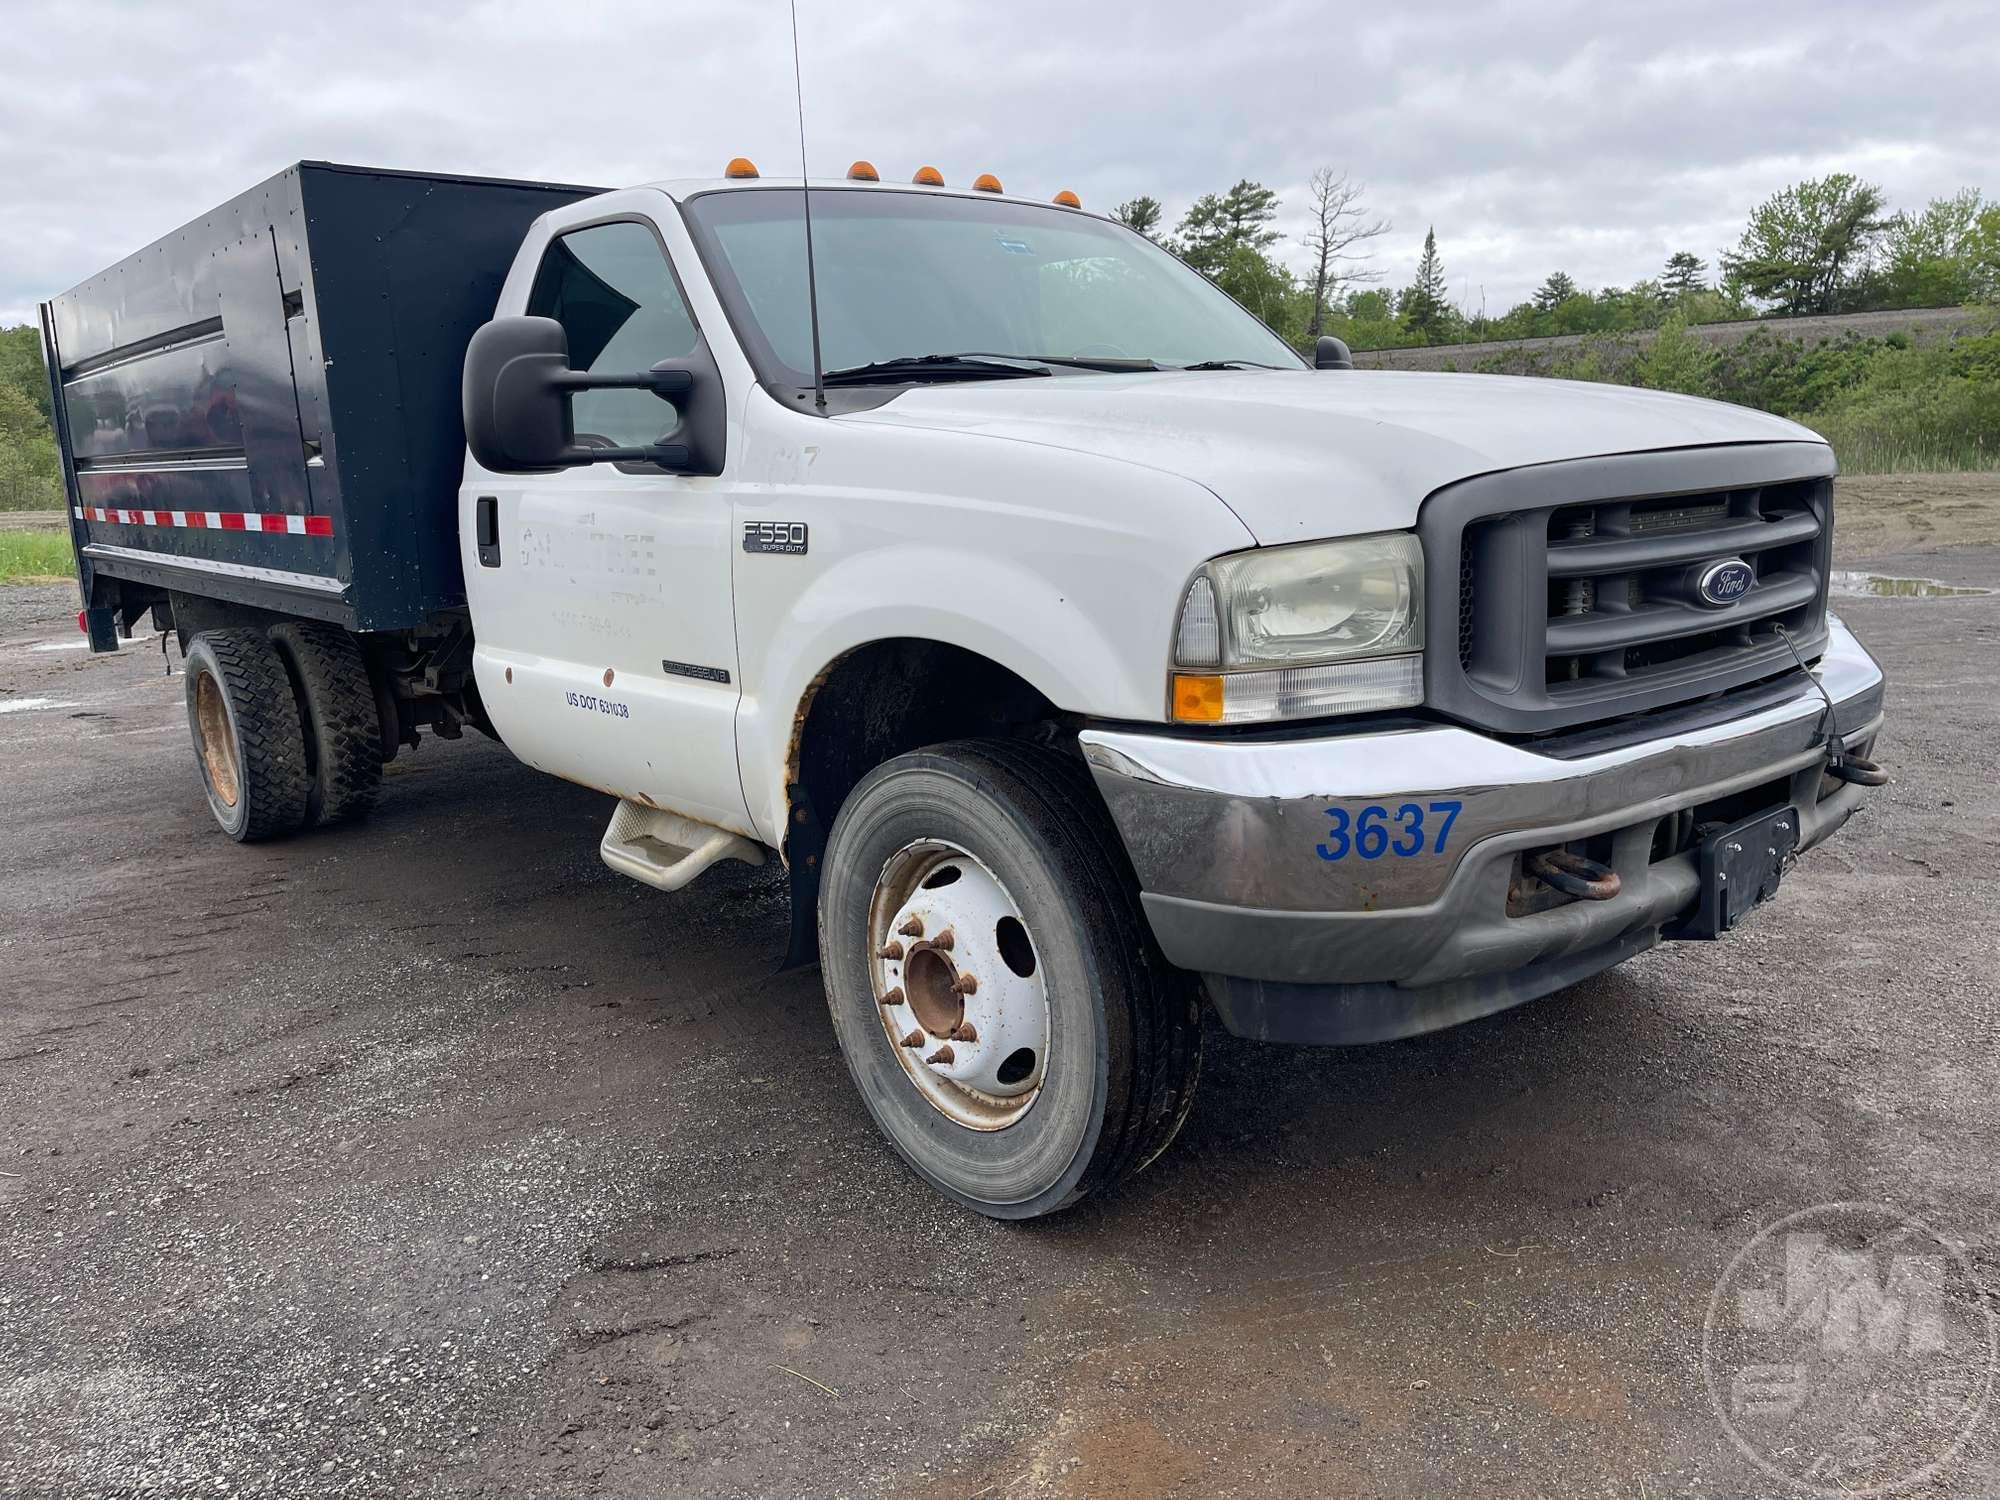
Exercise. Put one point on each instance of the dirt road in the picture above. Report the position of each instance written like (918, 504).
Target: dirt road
(434, 1158)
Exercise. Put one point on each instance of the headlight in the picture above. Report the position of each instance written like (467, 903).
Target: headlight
(1290, 632)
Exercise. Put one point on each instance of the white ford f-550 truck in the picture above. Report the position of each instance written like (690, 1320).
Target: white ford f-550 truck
(1084, 654)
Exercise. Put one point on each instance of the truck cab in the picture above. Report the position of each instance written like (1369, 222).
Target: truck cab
(1089, 658)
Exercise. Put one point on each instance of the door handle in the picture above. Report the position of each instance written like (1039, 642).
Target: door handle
(486, 520)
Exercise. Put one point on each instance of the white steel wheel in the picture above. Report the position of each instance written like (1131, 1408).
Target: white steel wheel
(960, 990)
(996, 992)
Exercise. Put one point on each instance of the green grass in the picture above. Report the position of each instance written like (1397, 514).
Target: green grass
(36, 557)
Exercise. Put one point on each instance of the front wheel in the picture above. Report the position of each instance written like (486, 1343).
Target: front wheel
(996, 992)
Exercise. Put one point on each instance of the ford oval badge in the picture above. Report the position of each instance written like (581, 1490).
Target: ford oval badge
(1722, 583)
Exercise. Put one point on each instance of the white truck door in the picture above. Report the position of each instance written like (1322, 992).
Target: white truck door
(606, 651)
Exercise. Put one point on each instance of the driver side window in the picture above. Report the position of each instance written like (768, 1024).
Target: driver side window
(614, 294)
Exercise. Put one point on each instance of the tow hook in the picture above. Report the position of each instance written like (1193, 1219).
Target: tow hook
(1574, 875)
(1856, 770)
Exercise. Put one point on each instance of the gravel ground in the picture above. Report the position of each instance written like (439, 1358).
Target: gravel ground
(430, 1157)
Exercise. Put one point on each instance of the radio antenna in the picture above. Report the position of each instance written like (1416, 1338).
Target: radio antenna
(805, 195)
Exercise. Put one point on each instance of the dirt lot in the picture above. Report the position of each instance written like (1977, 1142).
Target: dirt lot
(432, 1157)
(1878, 513)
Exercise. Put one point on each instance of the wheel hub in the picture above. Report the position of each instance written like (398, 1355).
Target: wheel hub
(218, 748)
(959, 984)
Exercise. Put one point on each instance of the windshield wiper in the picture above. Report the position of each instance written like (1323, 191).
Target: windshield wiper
(1229, 364)
(931, 367)
(978, 364)
(1110, 363)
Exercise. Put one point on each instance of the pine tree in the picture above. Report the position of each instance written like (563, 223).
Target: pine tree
(1218, 225)
(1142, 213)
(1685, 275)
(1551, 294)
(1425, 311)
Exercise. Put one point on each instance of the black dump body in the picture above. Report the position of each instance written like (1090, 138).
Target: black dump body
(263, 406)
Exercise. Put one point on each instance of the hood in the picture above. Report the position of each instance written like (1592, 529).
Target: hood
(1313, 453)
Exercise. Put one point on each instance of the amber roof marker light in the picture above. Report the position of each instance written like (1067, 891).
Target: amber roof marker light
(740, 166)
(986, 182)
(863, 171)
(928, 177)
(1067, 199)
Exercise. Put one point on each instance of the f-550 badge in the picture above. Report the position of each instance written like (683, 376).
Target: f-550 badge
(785, 537)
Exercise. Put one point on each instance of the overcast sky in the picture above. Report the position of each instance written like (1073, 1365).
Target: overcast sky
(1595, 138)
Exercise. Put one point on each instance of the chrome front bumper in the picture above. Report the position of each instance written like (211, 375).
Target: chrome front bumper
(1230, 839)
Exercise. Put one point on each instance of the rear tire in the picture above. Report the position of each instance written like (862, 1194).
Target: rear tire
(1122, 1029)
(340, 720)
(247, 740)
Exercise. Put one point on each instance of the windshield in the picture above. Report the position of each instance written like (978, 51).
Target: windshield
(909, 274)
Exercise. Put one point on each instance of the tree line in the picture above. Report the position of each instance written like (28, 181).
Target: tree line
(29, 474)
(1825, 245)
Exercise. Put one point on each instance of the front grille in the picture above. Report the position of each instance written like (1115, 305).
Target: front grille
(1586, 606)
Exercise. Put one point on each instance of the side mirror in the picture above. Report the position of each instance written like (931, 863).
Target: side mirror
(1331, 354)
(516, 401)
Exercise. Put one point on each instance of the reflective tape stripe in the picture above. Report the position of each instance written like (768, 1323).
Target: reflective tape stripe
(209, 520)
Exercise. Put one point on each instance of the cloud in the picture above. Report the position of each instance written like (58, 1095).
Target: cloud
(1534, 135)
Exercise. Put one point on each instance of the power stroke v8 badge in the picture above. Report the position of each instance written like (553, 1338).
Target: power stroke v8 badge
(785, 537)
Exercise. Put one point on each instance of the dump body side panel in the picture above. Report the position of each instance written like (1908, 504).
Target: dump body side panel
(263, 405)
(402, 270)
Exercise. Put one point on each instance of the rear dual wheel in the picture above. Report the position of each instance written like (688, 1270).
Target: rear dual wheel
(341, 725)
(995, 989)
(285, 727)
(247, 738)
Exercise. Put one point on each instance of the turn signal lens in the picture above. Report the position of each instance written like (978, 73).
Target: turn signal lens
(1197, 700)
(863, 171)
(928, 177)
(986, 182)
(740, 166)
(1349, 687)
(1068, 199)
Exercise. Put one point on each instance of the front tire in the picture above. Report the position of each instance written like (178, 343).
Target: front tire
(247, 739)
(1008, 848)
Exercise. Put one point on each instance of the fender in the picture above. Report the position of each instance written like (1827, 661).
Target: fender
(1054, 649)
(1063, 568)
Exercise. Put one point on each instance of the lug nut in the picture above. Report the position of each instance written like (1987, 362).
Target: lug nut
(912, 928)
(914, 1039)
(964, 1033)
(943, 940)
(890, 949)
(942, 1055)
(965, 984)
(894, 996)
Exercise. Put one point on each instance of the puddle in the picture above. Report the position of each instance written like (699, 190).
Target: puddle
(1878, 586)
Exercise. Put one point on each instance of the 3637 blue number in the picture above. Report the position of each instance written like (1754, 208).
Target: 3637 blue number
(1376, 831)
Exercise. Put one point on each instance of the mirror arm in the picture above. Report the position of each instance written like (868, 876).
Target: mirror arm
(666, 455)
(659, 382)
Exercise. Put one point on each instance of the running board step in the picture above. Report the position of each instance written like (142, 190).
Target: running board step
(667, 850)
